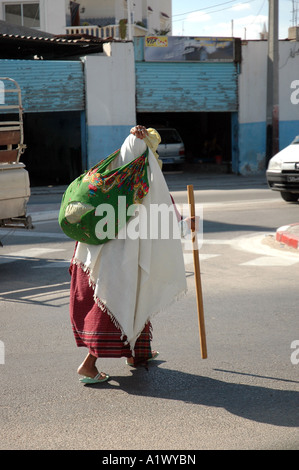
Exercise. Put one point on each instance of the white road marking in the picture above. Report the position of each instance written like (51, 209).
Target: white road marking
(30, 289)
(246, 203)
(188, 257)
(268, 256)
(270, 261)
(252, 243)
(49, 295)
(27, 254)
(31, 234)
(44, 216)
(54, 295)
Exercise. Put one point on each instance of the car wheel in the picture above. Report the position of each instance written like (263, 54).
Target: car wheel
(289, 197)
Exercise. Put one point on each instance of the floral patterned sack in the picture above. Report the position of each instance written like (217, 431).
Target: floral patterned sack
(91, 206)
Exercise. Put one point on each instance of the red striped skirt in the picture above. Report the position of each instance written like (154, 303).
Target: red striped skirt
(93, 327)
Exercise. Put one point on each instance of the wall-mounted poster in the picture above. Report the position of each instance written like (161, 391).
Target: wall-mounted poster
(182, 48)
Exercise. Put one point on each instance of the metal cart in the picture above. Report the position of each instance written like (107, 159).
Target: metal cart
(14, 178)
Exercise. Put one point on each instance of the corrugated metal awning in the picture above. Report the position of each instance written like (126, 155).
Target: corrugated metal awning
(51, 47)
(47, 85)
(186, 87)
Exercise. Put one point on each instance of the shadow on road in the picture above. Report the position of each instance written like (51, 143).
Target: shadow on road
(256, 403)
(212, 226)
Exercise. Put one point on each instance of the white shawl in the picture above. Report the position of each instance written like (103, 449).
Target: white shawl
(135, 278)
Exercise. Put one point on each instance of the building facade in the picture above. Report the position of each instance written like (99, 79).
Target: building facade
(110, 99)
(191, 84)
(72, 117)
(213, 90)
(151, 14)
(253, 102)
(101, 17)
(44, 15)
(121, 19)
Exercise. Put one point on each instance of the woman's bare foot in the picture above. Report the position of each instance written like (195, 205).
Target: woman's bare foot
(130, 360)
(88, 367)
(90, 373)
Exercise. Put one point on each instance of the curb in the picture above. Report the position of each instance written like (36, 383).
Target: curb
(289, 235)
(43, 216)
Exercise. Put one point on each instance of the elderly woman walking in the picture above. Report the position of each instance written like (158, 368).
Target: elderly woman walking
(118, 286)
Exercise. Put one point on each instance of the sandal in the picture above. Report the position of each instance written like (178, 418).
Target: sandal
(94, 380)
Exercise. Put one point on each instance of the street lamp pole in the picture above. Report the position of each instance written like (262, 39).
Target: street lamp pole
(272, 118)
(129, 20)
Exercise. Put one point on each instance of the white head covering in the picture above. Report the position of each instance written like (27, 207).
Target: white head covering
(134, 278)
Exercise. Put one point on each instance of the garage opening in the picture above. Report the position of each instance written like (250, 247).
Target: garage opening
(207, 137)
(53, 153)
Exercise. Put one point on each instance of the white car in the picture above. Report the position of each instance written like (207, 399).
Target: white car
(171, 150)
(283, 172)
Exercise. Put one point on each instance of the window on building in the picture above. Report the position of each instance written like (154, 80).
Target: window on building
(22, 14)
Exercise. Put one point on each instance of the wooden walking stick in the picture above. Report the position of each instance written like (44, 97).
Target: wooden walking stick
(199, 299)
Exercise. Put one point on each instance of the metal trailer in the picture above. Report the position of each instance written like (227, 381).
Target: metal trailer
(14, 178)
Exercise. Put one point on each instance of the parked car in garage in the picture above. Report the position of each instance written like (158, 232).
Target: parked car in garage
(171, 150)
(283, 172)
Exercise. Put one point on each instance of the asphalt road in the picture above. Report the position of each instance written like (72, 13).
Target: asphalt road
(243, 396)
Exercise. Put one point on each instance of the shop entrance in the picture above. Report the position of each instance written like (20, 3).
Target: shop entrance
(207, 136)
(53, 154)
